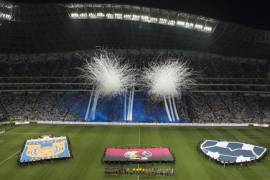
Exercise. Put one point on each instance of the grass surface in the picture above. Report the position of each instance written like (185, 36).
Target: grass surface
(88, 144)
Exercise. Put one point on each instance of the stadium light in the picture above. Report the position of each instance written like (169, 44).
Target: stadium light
(208, 28)
(5, 16)
(153, 19)
(135, 17)
(199, 26)
(171, 22)
(109, 16)
(127, 16)
(180, 23)
(100, 15)
(162, 21)
(186, 20)
(74, 15)
(145, 18)
(92, 15)
(118, 16)
(83, 15)
(189, 25)
(6, 10)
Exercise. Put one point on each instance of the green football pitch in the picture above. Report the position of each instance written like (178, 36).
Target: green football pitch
(88, 144)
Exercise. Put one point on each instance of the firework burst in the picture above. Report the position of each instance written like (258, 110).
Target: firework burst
(108, 74)
(166, 81)
(169, 78)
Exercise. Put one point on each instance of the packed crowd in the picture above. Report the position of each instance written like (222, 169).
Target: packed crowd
(67, 64)
(200, 107)
(197, 107)
(36, 106)
(229, 108)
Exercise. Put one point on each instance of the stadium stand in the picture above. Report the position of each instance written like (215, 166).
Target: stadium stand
(222, 94)
(71, 106)
(228, 108)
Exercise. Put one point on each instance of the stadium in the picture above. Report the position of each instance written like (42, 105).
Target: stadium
(131, 91)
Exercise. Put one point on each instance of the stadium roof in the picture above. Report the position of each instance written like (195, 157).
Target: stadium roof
(34, 28)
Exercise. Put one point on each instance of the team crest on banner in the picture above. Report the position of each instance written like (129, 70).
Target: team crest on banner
(145, 155)
(138, 155)
(50, 150)
(45, 148)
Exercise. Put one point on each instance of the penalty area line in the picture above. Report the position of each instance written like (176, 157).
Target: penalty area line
(11, 156)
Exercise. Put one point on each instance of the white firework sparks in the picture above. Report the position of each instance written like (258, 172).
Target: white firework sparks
(169, 78)
(108, 74)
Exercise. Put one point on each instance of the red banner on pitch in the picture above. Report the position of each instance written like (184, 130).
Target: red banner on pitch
(138, 155)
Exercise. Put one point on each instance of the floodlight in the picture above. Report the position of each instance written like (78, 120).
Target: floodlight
(118, 16)
(199, 26)
(100, 15)
(162, 21)
(180, 23)
(109, 16)
(171, 22)
(135, 17)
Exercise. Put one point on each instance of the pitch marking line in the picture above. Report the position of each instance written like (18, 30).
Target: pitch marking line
(11, 156)
(138, 177)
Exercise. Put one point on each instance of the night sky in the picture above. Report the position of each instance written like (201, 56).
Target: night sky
(254, 13)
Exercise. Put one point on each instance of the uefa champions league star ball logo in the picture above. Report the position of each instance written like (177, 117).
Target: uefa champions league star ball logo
(138, 155)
